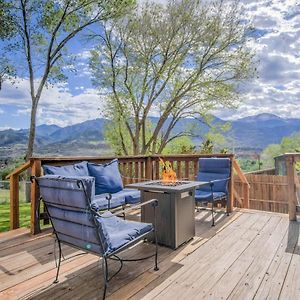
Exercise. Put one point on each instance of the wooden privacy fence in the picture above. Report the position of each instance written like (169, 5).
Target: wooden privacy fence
(267, 192)
(132, 168)
(274, 192)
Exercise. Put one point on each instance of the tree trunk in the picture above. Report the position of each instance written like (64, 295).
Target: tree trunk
(31, 136)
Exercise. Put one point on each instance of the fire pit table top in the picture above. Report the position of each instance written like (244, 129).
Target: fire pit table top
(172, 187)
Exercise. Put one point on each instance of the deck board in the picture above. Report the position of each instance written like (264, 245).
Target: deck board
(248, 255)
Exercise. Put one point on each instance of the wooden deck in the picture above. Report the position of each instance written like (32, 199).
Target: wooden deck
(248, 255)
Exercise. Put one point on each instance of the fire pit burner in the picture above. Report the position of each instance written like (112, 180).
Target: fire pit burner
(164, 183)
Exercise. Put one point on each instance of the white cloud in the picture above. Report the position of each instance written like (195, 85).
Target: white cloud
(8, 127)
(57, 105)
(84, 55)
(277, 90)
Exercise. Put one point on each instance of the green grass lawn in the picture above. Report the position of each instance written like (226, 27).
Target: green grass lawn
(24, 216)
(4, 210)
(24, 210)
(4, 196)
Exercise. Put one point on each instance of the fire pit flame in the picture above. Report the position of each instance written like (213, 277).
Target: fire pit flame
(169, 176)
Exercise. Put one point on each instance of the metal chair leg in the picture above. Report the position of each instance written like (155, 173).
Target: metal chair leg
(212, 204)
(212, 213)
(155, 237)
(123, 213)
(105, 276)
(59, 261)
(156, 268)
(227, 206)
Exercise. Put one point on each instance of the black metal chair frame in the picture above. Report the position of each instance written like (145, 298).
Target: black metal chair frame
(112, 255)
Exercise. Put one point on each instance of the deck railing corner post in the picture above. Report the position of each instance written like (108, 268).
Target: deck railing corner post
(35, 223)
(231, 186)
(14, 202)
(291, 177)
(149, 167)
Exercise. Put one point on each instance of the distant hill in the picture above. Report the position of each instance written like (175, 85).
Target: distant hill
(254, 132)
(261, 130)
(80, 139)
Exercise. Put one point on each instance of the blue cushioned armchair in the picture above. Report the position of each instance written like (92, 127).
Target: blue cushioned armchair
(215, 171)
(76, 221)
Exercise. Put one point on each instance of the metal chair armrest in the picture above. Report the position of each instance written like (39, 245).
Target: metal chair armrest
(211, 183)
(154, 203)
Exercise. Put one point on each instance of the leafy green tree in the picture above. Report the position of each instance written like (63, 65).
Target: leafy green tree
(269, 153)
(183, 145)
(42, 31)
(174, 61)
(248, 165)
(288, 144)
(7, 30)
(7, 25)
(207, 147)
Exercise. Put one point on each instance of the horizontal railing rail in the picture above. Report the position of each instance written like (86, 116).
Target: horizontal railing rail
(270, 171)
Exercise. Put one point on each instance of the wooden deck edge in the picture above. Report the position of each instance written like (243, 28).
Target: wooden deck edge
(12, 233)
(255, 211)
(12, 241)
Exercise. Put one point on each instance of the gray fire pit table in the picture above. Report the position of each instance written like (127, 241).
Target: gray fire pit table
(176, 212)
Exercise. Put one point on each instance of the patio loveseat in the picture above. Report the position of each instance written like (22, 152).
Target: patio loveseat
(109, 190)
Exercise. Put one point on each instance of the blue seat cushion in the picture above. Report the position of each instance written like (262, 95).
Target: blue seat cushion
(132, 196)
(80, 169)
(119, 232)
(101, 203)
(204, 196)
(107, 177)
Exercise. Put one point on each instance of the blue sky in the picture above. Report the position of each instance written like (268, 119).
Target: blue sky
(276, 90)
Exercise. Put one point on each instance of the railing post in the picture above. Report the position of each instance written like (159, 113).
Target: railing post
(231, 186)
(35, 223)
(149, 168)
(290, 167)
(244, 183)
(246, 195)
(14, 201)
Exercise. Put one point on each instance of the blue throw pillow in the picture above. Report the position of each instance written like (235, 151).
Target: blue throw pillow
(107, 177)
(80, 169)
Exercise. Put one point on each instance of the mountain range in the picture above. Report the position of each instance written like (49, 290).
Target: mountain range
(86, 138)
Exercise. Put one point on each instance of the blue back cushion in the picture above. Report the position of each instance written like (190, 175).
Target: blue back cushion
(214, 169)
(107, 177)
(80, 169)
(68, 206)
(67, 190)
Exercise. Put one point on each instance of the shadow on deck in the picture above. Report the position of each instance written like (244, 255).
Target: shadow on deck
(247, 255)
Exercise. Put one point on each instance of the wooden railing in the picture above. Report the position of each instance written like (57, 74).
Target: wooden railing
(270, 171)
(293, 184)
(14, 194)
(241, 197)
(132, 168)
